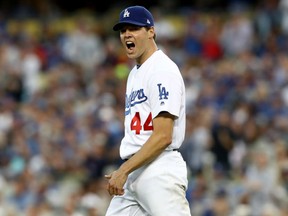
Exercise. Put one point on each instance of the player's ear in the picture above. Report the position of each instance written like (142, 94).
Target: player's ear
(151, 32)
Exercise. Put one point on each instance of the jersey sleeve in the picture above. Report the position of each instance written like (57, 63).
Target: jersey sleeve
(165, 92)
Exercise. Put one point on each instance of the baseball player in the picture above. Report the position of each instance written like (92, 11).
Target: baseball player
(153, 177)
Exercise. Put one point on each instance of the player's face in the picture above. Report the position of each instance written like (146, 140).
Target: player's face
(137, 42)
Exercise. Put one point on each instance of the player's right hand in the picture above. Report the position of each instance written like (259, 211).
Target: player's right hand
(116, 181)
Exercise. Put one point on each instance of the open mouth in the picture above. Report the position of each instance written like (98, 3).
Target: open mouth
(130, 44)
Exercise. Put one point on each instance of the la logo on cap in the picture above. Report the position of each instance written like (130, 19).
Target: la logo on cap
(126, 13)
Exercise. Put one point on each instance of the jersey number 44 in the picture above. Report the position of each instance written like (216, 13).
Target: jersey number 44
(137, 125)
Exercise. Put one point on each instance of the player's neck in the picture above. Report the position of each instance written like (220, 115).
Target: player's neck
(146, 55)
(150, 50)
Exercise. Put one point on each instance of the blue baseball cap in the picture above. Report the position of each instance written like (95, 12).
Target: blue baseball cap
(135, 15)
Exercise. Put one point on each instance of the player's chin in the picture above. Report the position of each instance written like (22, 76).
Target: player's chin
(131, 55)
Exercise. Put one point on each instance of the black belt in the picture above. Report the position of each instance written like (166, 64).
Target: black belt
(133, 154)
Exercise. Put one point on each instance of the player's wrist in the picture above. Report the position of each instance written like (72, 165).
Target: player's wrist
(125, 169)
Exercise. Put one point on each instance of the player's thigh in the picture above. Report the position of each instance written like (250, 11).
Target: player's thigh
(121, 206)
(162, 189)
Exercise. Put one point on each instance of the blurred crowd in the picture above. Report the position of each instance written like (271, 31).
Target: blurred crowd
(62, 86)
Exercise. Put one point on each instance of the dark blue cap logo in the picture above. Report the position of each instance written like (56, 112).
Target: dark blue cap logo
(135, 15)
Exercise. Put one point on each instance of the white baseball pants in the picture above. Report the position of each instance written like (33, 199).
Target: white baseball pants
(157, 189)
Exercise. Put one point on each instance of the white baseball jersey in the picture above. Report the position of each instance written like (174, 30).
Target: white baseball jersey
(154, 87)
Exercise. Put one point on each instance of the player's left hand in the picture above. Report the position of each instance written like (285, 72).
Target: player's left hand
(116, 182)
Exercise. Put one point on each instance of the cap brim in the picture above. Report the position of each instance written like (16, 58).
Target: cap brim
(120, 25)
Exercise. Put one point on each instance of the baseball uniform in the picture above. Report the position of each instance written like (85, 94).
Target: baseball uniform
(159, 188)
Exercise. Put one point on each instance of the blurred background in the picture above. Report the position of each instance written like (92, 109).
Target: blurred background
(62, 86)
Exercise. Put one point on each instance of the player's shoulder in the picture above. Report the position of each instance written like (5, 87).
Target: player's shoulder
(163, 61)
(160, 54)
